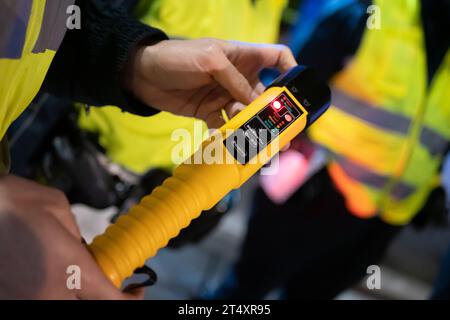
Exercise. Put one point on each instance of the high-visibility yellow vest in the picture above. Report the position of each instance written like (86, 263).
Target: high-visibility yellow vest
(30, 34)
(388, 128)
(141, 143)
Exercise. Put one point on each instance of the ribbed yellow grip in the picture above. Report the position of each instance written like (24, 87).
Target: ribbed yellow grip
(193, 188)
(148, 226)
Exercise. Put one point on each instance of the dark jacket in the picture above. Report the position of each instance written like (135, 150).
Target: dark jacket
(88, 64)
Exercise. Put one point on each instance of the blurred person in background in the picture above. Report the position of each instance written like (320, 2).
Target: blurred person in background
(384, 140)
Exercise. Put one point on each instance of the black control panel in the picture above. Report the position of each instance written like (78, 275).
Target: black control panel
(261, 129)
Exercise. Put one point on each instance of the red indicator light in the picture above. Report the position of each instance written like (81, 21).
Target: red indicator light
(276, 104)
(288, 118)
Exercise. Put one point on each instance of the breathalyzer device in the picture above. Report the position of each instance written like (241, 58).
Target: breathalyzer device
(240, 148)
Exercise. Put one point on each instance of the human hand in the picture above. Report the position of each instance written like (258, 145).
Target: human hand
(198, 78)
(39, 239)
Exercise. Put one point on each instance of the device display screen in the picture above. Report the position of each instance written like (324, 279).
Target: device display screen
(261, 129)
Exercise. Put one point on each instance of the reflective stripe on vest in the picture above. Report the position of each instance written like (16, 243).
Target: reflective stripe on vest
(53, 27)
(30, 34)
(14, 15)
(360, 173)
(387, 120)
(388, 128)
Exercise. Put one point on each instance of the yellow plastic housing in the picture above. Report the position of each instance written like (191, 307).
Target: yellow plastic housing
(193, 188)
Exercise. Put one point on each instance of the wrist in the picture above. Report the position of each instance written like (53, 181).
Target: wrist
(138, 66)
(130, 72)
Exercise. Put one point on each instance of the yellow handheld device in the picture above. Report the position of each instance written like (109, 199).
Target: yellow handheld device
(239, 149)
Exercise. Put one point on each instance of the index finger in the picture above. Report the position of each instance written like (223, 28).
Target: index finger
(273, 55)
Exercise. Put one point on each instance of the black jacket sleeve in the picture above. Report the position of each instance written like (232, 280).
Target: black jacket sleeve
(88, 64)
